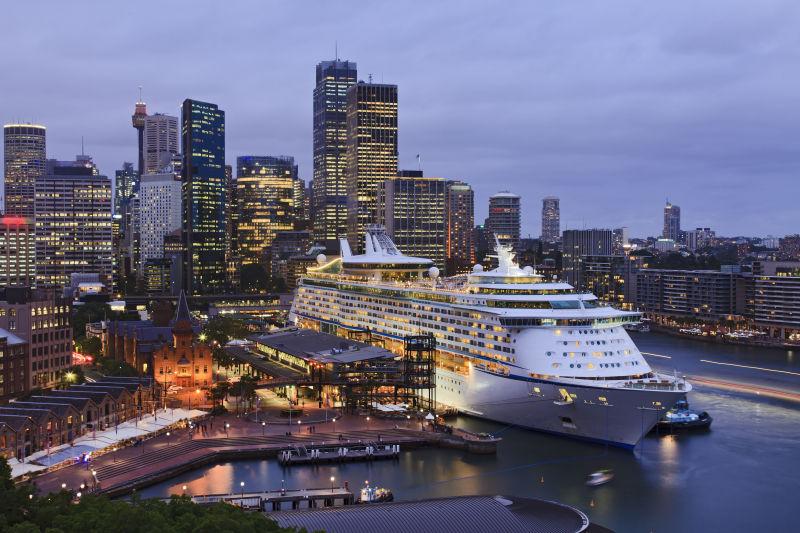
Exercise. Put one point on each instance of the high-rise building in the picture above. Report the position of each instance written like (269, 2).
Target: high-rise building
(25, 155)
(412, 208)
(73, 223)
(789, 247)
(137, 121)
(160, 142)
(460, 216)
(125, 184)
(330, 147)
(159, 214)
(577, 245)
(371, 153)
(232, 259)
(204, 217)
(266, 193)
(672, 222)
(551, 219)
(699, 238)
(17, 251)
(505, 218)
(41, 318)
(620, 236)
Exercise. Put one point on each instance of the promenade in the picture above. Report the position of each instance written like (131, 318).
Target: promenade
(223, 437)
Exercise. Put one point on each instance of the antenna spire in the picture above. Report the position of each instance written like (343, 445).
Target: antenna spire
(336, 50)
(140, 93)
(82, 146)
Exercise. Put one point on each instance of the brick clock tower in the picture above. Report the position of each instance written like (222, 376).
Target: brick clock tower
(185, 363)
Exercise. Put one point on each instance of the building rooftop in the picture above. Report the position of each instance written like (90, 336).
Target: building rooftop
(322, 347)
(464, 514)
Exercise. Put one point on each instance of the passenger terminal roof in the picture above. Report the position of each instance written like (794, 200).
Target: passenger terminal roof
(322, 347)
(464, 514)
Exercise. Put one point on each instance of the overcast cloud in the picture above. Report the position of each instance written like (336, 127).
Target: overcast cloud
(611, 105)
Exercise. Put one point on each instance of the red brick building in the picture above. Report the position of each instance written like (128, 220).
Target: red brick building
(185, 362)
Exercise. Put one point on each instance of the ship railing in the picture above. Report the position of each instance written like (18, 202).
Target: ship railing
(661, 384)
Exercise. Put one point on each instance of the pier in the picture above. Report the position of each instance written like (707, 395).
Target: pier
(281, 500)
(337, 454)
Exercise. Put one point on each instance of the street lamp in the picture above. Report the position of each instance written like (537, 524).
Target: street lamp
(241, 484)
(184, 490)
(332, 479)
(263, 427)
(63, 486)
(167, 438)
(227, 426)
(78, 495)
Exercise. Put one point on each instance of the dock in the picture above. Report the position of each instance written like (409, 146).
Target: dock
(336, 454)
(281, 500)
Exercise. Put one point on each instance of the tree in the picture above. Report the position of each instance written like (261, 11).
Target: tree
(111, 367)
(222, 329)
(89, 346)
(22, 511)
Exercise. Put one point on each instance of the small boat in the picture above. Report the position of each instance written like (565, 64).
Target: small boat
(682, 417)
(375, 495)
(601, 477)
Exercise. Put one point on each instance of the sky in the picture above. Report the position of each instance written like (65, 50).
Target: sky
(614, 106)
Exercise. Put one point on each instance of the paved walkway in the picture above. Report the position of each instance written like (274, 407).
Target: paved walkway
(220, 434)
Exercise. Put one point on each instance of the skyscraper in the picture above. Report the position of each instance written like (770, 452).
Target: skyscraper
(25, 155)
(203, 174)
(330, 147)
(159, 214)
(672, 222)
(371, 152)
(505, 218)
(580, 243)
(17, 251)
(551, 219)
(137, 121)
(460, 216)
(73, 223)
(266, 190)
(412, 208)
(160, 142)
(126, 182)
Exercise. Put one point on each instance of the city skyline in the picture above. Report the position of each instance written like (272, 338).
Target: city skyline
(701, 129)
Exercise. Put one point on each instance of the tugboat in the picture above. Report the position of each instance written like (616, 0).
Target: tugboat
(681, 417)
(375, 494)
(601, 477)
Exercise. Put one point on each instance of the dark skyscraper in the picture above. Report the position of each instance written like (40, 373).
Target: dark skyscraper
(204, 184)
(371, 152)
(330, 147)
(672, 222)
(551, 219)
(25, 155)
(579, 243)
(125, 184)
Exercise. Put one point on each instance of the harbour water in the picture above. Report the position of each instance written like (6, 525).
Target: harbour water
(740, 476)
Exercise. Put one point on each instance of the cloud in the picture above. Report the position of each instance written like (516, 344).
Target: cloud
(613, 106)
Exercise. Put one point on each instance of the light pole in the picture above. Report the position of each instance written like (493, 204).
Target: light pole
(263, 428)
(227, 425)
(241, 484)
(332, 480)
(168, 439)
(184, 490)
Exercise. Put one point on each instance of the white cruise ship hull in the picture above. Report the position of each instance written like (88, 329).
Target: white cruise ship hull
(617, 416)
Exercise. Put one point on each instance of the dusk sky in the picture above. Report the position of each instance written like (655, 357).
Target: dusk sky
(613, 106)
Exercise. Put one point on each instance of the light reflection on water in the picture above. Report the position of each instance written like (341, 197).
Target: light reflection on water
(740, 476)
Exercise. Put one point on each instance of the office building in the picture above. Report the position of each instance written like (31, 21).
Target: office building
(460, 223)
(620, 240)
(125, 185)
(41, 318)
(266, 194)
(204, 217)
(773, 298)
(329, 185)
(73, 223)
(580, 243)
(672, 222)
(160, 142)
(233, 263)
(285, 245)
(137, 121)
(159, 214)
(17, 251)
(505, 218)
(24, 155)
(551, 219)
(612, 278)
(371, 153)
(413, 210)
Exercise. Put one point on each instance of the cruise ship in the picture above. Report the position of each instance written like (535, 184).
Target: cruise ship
(511, 346)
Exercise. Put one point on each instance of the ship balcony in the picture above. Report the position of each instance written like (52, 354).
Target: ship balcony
(660, 382)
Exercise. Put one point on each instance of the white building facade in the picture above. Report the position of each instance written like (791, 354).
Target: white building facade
(159, 213)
